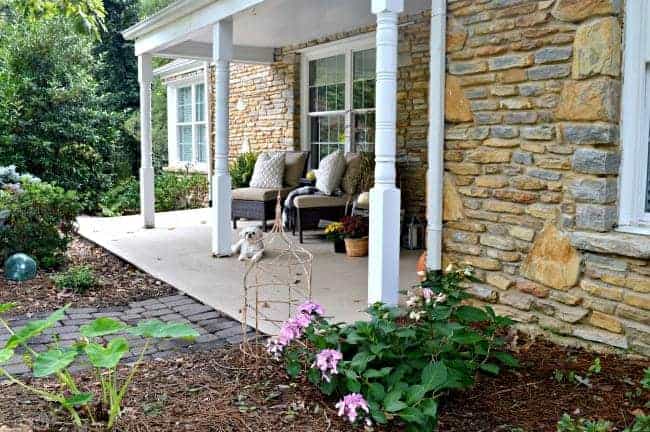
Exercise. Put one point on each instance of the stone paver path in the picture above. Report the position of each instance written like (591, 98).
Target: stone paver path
(215, 328)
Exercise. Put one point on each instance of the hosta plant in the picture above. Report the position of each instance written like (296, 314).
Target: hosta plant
(102, 346)
(396, 366)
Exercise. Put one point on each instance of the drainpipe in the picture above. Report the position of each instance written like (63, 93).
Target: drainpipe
(436, 136)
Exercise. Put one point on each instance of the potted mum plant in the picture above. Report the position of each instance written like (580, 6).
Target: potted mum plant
(355, 231)
(334, 233)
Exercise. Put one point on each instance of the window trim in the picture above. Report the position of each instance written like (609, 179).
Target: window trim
(344, 46)
(174, 162)
(635, 120)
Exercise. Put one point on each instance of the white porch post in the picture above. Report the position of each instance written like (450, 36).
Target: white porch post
(436, 136)
(221, 193)
(147, 199)
(383, 261)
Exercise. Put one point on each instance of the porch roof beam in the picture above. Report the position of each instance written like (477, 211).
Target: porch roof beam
(169, 28)
(203, 51)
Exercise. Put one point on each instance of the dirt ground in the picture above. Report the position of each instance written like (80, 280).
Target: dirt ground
(119, 283)
(224, 390)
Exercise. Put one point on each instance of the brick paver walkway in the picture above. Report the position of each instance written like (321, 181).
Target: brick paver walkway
(215, 329)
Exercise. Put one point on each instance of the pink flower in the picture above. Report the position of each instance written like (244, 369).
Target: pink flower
(310, 308)
(427, 293)
(290, 330)
(327, 361)
(349, 404)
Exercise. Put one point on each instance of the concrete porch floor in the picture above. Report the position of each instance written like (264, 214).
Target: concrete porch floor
(177, 251)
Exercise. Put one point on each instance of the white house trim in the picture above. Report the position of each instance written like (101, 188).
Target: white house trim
(635, 119)
(345, 47)
(203, 51)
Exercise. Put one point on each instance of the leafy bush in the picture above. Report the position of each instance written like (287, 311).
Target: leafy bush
(173, 192)
(53, 120)
(241, 170)
(103, 357)
(39, 221)
(398, 365)
(77, 279)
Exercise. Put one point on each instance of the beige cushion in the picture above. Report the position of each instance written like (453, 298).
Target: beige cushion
(314, 201)
(350, 181)
(294, 166)
(269, 171)
(259, 194)
(330, 172)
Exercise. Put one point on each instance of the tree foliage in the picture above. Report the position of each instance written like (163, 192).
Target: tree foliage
(53, 117)
(87, 15)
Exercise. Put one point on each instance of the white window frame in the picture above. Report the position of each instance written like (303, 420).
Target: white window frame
(172, 126)
(344, 46)
(635, 120)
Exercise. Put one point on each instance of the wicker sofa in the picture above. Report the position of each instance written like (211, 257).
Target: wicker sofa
(259, 204)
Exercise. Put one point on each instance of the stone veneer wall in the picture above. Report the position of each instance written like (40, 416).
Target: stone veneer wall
(532, 157)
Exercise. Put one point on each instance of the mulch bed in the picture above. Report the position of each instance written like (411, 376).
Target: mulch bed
(224, 391)
(120, 283)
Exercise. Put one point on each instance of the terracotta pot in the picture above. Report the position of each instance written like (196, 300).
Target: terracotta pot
(421, 266)
(339, 246)
(356, 247)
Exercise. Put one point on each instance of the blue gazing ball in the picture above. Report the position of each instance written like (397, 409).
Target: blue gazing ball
(20, 267)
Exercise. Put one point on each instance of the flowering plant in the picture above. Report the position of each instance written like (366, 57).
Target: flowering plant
(397, 366)
(334, 231)
(354, 227)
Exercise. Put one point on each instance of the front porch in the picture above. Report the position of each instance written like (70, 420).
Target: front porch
(177, 251)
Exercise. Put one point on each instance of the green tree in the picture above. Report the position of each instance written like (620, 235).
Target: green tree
(87, 15)
(53, 120)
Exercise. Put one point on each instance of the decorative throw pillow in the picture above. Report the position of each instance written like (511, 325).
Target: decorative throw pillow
(330, 172)
(350, 181)
(294, 165)
(268, 171)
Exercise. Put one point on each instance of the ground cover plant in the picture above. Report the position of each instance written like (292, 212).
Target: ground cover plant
(94, 349)
(397, 367)
(173, 192)
(78, 279)
(38, 218)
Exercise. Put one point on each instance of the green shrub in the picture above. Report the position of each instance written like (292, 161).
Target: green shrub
(173, 192)
(39, 222)
(93, 348)
(241, 170)
(77, 279)
(397, 366)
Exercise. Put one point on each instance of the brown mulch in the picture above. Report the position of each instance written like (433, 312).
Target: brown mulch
(119, 283)
(224, 391)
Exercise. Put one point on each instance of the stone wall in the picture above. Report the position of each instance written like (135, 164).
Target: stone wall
(532, 157)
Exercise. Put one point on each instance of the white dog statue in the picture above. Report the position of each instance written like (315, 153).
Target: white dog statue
(250, 246)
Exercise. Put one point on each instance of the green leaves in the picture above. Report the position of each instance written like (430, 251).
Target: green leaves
(392, 401)
(79, 399)
(53, 361)
(6, 354)
(434, 376)
(158, 329)
(34, 328)
(102, 327)
(490, 368)
(470, 314)
(6, 307)
(107, 357)
(360, 360)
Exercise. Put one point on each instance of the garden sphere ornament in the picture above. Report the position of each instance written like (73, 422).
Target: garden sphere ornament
(20, 267)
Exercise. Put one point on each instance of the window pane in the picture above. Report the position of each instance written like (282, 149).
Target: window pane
(184, 104)
(364, 132)
(201, 144)
(199, 103)
(185, 143)
(327, 136)
(363, 79)
(327, 84)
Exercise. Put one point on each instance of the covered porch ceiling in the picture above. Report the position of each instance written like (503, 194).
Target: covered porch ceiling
(184, 29)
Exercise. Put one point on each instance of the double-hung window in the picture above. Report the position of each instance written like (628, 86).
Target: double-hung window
(634, 184)
(188, 131)
(338, 98)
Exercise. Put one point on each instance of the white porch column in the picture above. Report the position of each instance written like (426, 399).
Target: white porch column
(147, 199)
(221, 193)
(436, 136)
(383, 261)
